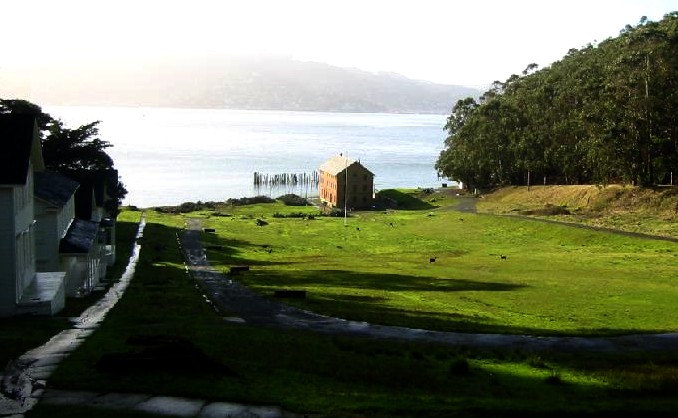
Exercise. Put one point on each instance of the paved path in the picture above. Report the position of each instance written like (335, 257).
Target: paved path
(240, 304)
(161, 405)
(24, 380)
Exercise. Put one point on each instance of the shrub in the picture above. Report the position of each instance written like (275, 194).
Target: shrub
(250, 200)
(299, 215)
(187, 207)
(293, 200)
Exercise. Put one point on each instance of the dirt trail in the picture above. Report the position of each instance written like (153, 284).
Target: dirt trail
(240, 304)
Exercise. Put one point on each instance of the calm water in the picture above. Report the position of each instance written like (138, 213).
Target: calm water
(169, 156)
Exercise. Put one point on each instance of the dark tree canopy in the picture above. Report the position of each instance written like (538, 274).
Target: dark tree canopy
(67, 149)
(71, 149)
(605, 113)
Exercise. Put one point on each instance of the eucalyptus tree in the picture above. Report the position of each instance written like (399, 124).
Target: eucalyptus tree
(603, 113)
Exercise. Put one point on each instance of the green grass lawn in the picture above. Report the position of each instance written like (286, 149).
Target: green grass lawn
(191, 351)
(554, 280)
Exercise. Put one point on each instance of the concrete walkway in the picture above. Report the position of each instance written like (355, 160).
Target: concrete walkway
(240, 304)
(161, 405)
(24, 380)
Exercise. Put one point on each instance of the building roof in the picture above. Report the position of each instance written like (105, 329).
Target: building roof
(54, 188)
(79, 238)
(94, 185)
(337, 164)
(20, 144)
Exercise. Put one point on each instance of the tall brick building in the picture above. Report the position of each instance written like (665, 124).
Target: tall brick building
(341, 177)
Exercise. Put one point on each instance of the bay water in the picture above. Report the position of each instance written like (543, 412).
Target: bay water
(167, 156)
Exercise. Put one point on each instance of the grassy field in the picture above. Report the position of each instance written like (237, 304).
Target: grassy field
(377, 268)
(645, 210)
(188, 350)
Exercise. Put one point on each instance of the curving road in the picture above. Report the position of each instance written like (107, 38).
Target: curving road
(240, 304)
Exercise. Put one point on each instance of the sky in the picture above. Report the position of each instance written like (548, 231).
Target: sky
(471, 42)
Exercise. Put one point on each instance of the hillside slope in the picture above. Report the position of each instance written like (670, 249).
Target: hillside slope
(253, 83)
(628, 208)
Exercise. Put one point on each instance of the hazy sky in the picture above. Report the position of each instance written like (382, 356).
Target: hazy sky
(470, 42)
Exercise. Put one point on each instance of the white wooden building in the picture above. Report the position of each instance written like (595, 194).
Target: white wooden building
(22, 288)
(55, 214)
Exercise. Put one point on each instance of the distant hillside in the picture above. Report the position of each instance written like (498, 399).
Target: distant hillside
(260, 83)
(651, 211)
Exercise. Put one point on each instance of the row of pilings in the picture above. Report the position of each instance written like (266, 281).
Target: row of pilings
(286, 181)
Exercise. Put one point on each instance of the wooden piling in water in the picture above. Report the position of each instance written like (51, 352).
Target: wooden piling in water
(288, 181)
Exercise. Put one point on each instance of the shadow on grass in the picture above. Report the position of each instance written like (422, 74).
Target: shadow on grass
(365, 296)
(329, 375)
(228, 251)
(375, 281)
(370, 298)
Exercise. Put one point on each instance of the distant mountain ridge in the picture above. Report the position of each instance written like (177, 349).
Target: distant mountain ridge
(253, 83)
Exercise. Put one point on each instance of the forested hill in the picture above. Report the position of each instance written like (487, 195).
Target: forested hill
(604, 113)
(255, 82)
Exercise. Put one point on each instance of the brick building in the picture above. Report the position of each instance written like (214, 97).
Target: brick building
(341, 177)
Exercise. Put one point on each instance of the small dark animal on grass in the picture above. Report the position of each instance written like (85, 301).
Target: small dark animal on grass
(357, 229)
(432, 259)
(391, 223)
(503, 257)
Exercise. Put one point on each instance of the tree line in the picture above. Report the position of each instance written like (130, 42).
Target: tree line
(603, 114)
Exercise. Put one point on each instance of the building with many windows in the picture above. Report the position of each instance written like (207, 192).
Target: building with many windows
(345, 183)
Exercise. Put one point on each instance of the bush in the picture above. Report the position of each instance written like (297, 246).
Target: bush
(293, 200)
(250, 200)
(300, 215)
(187, 207)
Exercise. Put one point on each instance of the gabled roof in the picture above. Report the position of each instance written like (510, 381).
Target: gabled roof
(95, 182)
(337, 164)
(54, 188)
(79, 238)
(20, 144)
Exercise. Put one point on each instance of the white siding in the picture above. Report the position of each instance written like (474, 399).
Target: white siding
(25, 256)
(24, 234)
(52, 225)
(8, 277)
(66, 216)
